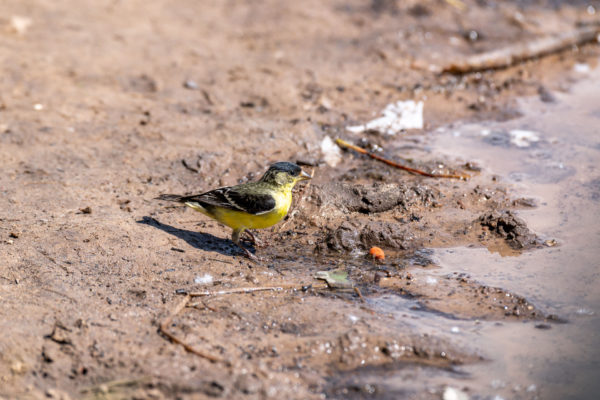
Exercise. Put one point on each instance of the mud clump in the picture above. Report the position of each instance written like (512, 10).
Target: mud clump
(385, 234)
(511, 228)
(345, 237)
(349, 236)
(377, 197)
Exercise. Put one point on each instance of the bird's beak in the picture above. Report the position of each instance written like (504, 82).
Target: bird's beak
(304, 176)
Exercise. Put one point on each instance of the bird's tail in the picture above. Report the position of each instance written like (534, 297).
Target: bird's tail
(170, 197)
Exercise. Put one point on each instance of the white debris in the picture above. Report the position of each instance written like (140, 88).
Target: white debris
(353, 318)
(455, 329)
(523, 138)
(396, 117)
(38, 107)
(20, 24)
(451, 393)
(581, 68)
(331, 152)
(430, 280)
(485, 132)
(584, 311)
(205, 279)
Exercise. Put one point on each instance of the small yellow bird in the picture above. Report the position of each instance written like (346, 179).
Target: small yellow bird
(253, 205)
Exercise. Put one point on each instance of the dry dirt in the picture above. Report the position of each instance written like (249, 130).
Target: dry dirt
(106, 105)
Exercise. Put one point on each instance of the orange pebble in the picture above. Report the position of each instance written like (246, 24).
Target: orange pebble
(377, 253)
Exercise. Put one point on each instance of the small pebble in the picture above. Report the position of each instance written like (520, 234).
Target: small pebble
(190, 84)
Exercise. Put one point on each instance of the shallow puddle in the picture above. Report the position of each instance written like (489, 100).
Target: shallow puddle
(551, 155)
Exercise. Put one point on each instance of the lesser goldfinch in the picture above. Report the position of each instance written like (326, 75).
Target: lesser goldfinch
(253, 205)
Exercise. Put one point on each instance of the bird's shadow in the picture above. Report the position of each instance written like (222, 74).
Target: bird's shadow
(199, 240)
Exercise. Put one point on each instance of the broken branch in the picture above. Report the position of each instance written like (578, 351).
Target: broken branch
(511, 55)
(252, 289)
(345, 145)
(164, 330)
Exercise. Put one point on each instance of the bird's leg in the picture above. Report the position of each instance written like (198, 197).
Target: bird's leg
(235, 237)
(254, 239)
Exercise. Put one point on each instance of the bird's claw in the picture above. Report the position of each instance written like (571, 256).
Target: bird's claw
(254, 240)
(252, 256)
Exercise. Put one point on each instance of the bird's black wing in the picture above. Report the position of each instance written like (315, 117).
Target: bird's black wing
(233, 199)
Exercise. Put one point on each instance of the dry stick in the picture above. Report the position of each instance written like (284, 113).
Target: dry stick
(358, 292)
(60, 294)
(457, 4)
(253, 289)
(121, 382)
(510, 55)
(165, 324)
(45, 254)
(345, 145)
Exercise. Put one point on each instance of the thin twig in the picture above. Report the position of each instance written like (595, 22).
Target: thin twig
(49, 257)
(60, 294)
(252, 289)
(120, 382)
(164, 330)
(360, 296)
(507, 56)
(189, 167)
(457, 4)
(204, 306)
(345, 145)
(223, 261)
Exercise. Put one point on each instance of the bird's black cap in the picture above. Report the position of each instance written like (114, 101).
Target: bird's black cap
(285, 166)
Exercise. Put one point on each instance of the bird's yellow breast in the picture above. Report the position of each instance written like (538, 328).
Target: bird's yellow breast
(241, 220)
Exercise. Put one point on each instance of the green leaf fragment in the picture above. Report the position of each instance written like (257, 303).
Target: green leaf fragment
(335, 279)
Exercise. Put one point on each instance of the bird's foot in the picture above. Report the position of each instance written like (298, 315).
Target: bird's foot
(253, 257)
(250, 255)
(254, 240)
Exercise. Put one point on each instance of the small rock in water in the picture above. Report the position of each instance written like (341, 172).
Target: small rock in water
(545, 95)
(523, 138)
(525, 202)
(451, 393)
(585, 311)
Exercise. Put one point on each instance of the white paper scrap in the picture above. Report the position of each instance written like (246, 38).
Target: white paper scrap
(331, 152)
(396, 117)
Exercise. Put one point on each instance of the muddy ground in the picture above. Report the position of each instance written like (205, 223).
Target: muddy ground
(105, 106)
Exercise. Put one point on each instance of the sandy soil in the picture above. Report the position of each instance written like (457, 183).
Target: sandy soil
(103, 106)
